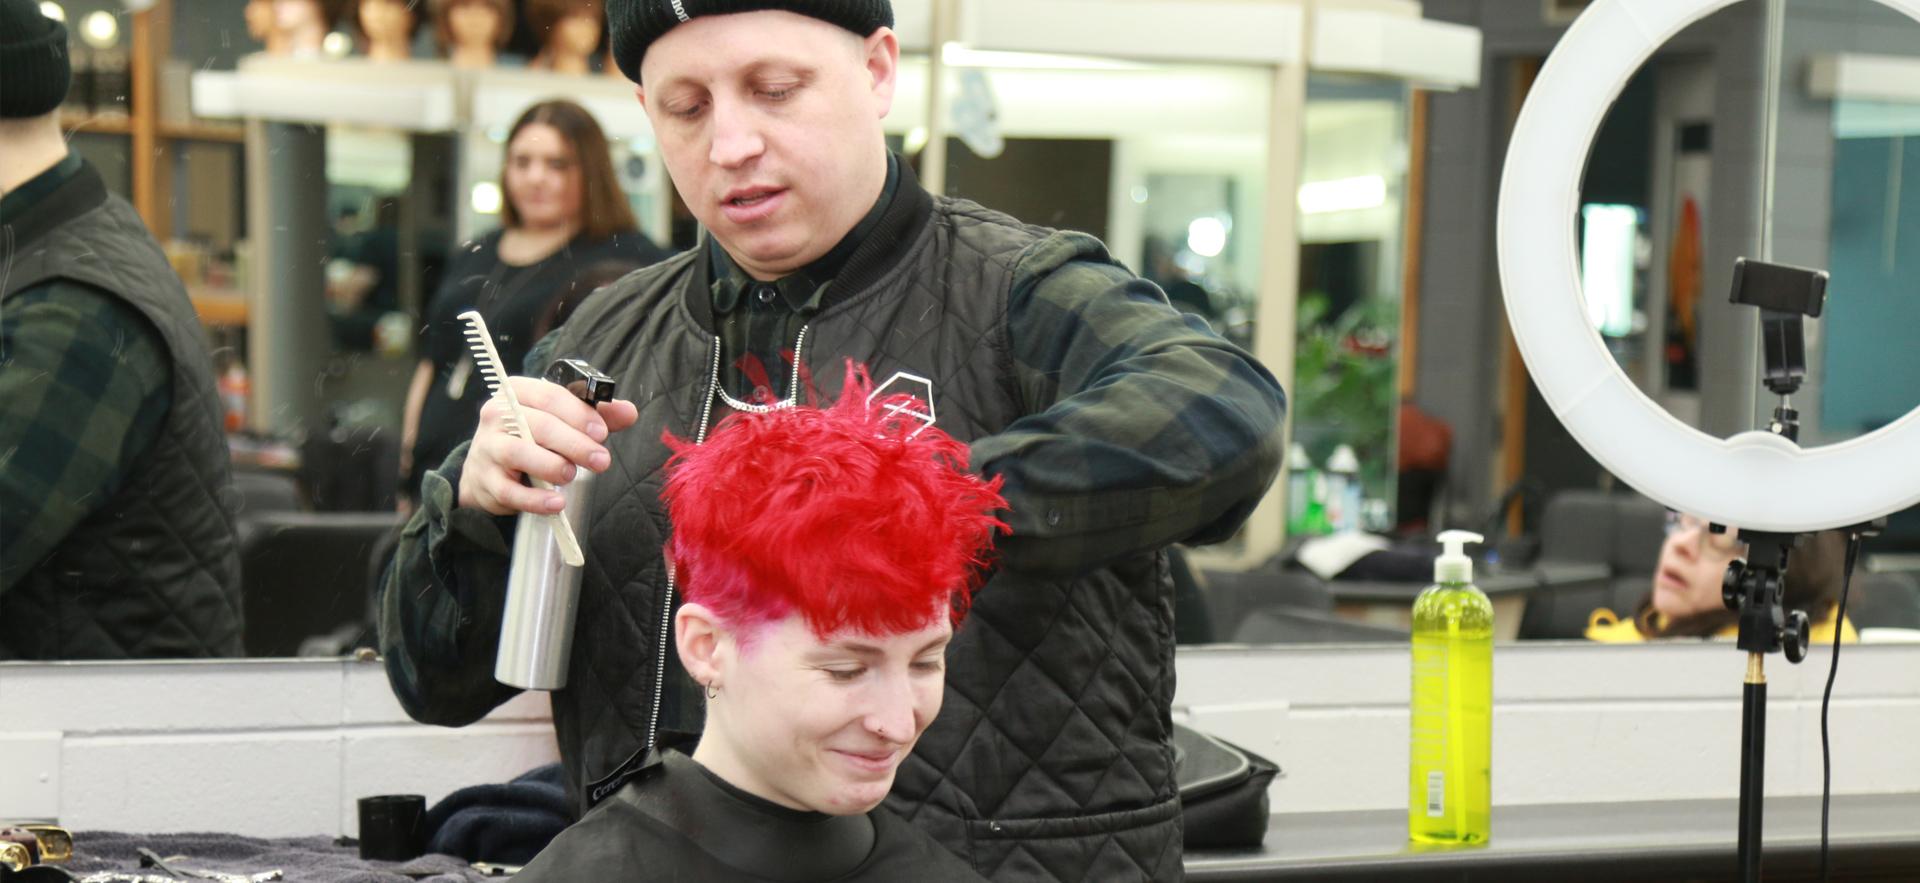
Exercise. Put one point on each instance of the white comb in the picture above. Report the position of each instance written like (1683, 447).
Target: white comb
(480, 340)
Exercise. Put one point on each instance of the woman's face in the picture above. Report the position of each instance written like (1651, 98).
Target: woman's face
(822, 725)
(1693, 562)
(542, 178)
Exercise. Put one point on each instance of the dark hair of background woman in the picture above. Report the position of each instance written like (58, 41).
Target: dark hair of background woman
(603, 202)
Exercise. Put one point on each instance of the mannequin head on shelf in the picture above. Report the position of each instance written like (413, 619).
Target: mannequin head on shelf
(260, 16)
(472, 32)
(569, 31)
(387, 27)
(301, 25)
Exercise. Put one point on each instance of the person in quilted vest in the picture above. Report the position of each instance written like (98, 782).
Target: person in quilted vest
(1117, 426)
(116, 522)
(825, 555)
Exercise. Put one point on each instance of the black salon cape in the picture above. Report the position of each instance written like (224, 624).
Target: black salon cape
(677, 822)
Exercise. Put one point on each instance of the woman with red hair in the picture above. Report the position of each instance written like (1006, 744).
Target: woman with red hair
(824, 556)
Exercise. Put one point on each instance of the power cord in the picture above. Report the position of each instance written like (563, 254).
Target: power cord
(1826, 699)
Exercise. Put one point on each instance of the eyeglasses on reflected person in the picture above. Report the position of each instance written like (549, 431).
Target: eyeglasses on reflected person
(1726, 543)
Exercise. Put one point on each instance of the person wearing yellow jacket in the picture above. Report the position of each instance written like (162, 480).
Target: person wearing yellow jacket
(1684, 600)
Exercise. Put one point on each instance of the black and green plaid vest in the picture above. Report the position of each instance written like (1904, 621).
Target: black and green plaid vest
(155, 572)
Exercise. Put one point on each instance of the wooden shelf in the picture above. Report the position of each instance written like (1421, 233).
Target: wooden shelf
(198, 131)
(96, 124)
(118, 124)
(420, 96)
(219, 307)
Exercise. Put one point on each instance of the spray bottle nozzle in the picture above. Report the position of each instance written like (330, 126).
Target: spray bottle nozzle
(1453, 565)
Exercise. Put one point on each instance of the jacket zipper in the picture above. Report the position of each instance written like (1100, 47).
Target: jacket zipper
(666, 601)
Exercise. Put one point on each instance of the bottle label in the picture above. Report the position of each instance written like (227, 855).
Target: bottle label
(1436, 794)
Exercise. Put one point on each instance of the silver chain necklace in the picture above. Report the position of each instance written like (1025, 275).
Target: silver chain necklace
(793, 386)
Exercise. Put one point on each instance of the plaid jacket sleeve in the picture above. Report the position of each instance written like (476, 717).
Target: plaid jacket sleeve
(1143, 428)
(84, 387)
(443, 597)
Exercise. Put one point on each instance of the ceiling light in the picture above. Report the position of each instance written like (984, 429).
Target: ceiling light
(486, 198)
(100, 30)
(1207, 237)
(1343, 195)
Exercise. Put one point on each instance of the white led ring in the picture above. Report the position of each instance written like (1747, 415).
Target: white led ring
(1755, 480)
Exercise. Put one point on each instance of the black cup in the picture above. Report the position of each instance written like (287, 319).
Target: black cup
(393, 827)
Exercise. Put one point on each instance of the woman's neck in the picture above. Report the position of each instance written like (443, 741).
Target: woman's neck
(716, 754)
(527, 245)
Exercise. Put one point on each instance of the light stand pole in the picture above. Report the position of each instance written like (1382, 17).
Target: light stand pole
(1753, 587)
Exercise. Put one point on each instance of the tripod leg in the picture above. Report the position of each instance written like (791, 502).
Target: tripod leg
(1753, 761)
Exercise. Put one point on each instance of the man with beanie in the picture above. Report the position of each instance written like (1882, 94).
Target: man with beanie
(1116, 425)
(116, 533)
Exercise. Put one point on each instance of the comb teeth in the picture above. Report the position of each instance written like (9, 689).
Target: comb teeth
(487, 372)
(480, 341)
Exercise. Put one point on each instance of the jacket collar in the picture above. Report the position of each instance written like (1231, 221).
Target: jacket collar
(871, 257)
(82, 191)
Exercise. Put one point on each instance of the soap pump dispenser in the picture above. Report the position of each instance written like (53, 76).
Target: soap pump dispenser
(1450, 788)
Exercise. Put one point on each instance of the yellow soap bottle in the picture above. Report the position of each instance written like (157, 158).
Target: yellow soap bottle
(1450, 787)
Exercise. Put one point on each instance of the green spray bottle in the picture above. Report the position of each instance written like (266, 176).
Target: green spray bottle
(1450, 788)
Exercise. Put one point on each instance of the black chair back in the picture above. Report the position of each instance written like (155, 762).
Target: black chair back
(305, 574)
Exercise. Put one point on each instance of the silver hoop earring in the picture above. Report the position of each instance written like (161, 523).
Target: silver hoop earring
(713, 692)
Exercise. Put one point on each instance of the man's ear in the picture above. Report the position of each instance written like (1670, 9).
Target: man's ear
(706, 647)
(640, 94)
(882, 62)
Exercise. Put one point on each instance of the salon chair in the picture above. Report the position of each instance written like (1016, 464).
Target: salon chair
(1230, 594)
(265, 491)
(1884, 600)
(1280, 624)
(350, 469)
(1622, 531)
(305, 574)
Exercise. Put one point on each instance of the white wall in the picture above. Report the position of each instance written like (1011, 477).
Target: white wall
(265, 748)
(1573, 723)
(284, 748)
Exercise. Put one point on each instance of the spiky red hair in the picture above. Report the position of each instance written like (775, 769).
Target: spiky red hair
(833, 513)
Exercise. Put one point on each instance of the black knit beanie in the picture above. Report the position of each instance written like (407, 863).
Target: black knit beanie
(633, 25)
(33, 61)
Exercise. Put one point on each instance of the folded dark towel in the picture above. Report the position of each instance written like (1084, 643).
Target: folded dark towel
(504, 824)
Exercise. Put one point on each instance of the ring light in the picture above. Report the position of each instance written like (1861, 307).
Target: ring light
(1756, 480)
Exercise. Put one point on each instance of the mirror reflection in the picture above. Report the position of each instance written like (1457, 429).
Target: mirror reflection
(328, 241)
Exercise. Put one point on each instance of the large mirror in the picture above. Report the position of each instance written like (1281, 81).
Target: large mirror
(315, 251)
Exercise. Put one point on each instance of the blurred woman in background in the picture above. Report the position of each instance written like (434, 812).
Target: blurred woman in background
(1685, 598)
(564, 212)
